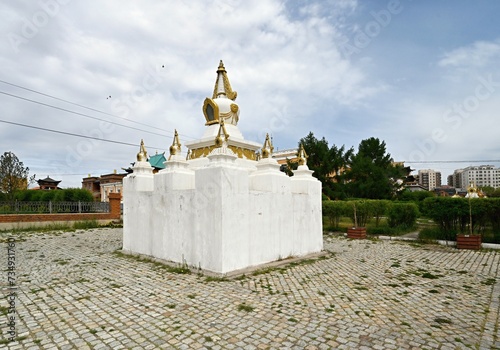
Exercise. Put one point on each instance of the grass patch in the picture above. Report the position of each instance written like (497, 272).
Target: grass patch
(4, 310)
(268, 270)
(489, 282)
(361, 288)
(181, 269)
(430, 276)
(45, 228)
(18, 339)
(216, 279)
(82, 280)
(245, 307)
(442, 320)
(85, 225)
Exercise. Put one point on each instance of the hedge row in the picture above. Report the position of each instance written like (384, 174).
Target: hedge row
(65, 195)
(454, 215)
(399, 214)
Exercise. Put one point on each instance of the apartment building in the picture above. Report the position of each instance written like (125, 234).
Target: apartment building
(429, 179)
(482, 175)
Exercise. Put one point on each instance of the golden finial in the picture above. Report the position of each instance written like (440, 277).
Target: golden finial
(142, 156)
(176, 145)
(472, 188)
(219, 140)
(302, 155)
(267, 148)
(226, 88)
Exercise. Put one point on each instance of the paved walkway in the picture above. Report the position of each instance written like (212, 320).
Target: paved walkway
(77, 292)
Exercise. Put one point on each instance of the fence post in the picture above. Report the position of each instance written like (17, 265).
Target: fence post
(50, 207)
(79, 207)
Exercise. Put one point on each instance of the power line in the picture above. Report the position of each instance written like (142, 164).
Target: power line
(75, 135)
(81, 114)
(79, 105)
(90, 108)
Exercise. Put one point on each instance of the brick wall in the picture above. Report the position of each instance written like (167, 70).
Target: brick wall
(114, 214)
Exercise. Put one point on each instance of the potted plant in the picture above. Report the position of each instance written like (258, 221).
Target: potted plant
(358, 232)
(469, 240)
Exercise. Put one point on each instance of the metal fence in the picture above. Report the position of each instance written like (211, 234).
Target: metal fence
(16, 207)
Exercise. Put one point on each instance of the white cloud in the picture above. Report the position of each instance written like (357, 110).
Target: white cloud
(479, 54)
(281, 56)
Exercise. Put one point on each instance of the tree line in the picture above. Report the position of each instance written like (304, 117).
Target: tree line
(344, 173)
(15, 179)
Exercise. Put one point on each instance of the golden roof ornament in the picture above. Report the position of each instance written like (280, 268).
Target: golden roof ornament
(222, 105)
(222, 85)
(302, 156)
(176, 146)
(267, 148)
(142, 156)
(222, 135)
(472, 188)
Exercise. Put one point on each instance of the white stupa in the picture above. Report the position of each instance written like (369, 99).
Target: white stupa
(220, 209)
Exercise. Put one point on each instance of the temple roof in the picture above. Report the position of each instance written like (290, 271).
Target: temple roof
(48, 180)
(157, 160)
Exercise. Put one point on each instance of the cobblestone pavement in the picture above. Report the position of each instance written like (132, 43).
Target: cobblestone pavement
(77, 292)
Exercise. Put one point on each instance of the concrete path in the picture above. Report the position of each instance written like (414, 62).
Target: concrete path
(77, 292)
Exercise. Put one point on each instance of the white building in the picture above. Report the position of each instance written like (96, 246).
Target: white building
(429, 179)
(483, 175)
(221, 210)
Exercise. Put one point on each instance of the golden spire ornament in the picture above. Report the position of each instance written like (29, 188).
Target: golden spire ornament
(142, 156)
(176, 146)
(267, 148)
(222, 135)
(302, 156)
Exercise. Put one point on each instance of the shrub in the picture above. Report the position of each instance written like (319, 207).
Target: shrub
(363, 210)
(379, 209)
(402, 215)
(334, 210)
(65, 195)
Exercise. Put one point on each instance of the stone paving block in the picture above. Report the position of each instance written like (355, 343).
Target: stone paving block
(366, 294)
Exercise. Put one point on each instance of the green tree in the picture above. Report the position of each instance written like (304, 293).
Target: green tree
(372, 173)
(328, 164)
(487, 190)
(13, 175)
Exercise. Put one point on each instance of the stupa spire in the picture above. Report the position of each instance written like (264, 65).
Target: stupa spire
(222, 135)
(267, 148)
(175, 149)
(302, 156)
(222, 86)
(142, 156)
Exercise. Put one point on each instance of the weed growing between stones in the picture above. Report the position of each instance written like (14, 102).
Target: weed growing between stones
(245, 307)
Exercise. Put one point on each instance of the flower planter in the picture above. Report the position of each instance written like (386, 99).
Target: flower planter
(356, 232)
(468, 241)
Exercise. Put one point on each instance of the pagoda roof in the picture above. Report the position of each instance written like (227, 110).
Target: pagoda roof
(157, 160)
(49, 180)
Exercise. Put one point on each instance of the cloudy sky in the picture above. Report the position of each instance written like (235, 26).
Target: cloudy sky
(423, 76)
